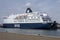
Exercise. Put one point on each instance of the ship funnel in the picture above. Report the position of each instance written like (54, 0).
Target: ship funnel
(28, 10)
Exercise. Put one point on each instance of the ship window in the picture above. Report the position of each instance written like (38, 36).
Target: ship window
(30, 17)
(33, 17)
(36, 17)
(21, 17)
(17, 25)
(46, 19)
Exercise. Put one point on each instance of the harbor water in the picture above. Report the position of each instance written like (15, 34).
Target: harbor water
(32, 31)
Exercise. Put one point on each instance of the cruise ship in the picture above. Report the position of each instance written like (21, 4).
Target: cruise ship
(29, 20)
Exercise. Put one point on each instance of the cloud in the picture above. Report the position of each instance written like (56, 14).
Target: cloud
(19, 6)
(28, 4)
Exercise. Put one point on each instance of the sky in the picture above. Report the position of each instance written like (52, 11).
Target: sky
(51, 7)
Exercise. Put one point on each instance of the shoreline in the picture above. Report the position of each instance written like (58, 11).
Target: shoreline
(14, 36)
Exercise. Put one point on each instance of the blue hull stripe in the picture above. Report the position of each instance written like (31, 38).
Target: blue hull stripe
(28, 25)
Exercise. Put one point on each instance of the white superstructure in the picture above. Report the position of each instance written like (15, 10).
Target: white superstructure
(28, 17)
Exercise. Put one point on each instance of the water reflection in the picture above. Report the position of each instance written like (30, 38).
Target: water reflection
(32, 32)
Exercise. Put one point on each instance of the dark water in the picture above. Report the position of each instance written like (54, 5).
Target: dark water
(32, 32)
